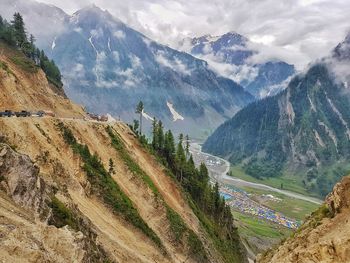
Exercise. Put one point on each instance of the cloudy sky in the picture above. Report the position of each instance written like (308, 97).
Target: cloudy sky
(297, 31)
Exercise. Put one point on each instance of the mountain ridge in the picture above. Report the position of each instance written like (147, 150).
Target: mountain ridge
(303, 129)
(109, 67)
(232, 55)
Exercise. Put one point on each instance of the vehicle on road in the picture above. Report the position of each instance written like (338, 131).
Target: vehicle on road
(23, 113)
(102, 118)
(38, 114)
(6, 113)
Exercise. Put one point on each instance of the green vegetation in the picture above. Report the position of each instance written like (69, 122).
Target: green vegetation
(5, 67)
(196, 248)
(139, 110)
(178, 227)
(204, 199)
(128, 161)
(250, 226)
(61, 215)
(291, 207)
(14, 34)
(316, 218)
(103, 184)
(302, 129)
(290, 183)
(319, 214)
(25, 64)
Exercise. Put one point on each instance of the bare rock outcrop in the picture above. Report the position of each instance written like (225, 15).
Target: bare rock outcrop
(324, 237)
(339, 199)
(19, 178)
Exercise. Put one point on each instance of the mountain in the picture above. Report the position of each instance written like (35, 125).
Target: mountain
(78, 190)
(42, 20)
(304, 129)
(109, 68)
(324, 237)
(231, 56)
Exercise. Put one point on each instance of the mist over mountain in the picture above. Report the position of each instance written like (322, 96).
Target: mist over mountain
(109, 67)
(304, 129)
(232, 55)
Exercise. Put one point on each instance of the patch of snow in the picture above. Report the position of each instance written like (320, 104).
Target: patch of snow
(53, 44)
(175, 64)
(176, 115)
(119, 34)
(146, 116)
(92, 44)
(109, 44)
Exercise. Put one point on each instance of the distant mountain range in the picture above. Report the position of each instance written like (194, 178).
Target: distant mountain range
(231, 55)
(109, 67)
(305, 128)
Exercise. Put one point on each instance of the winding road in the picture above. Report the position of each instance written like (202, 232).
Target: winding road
(218, 169)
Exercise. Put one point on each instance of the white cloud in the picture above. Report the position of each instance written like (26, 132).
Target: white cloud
(78, 29)
(131, 76)
(116, 56)
(119, 34)
(78, 71)
(176, 64)
(300, 30)
(96, 33)
(135, 62)
(237, 73)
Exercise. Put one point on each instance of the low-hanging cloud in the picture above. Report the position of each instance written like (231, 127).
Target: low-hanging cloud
(298, 30)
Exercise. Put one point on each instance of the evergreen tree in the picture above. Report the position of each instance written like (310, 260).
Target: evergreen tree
(169, 148)
(136, 126)
(195, 181)
(180, 159)
(139, 110)
(154, 134)
(187, 146)
(160, 136)
(7, 32)
(15, 35)
(19, 30)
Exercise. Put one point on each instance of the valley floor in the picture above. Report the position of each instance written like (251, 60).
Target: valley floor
(264, 214)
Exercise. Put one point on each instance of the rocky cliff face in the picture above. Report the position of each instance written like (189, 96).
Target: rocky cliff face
(24, 211)
(20, 181)
(324, 237)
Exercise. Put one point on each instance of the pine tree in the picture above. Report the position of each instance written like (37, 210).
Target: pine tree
(139, 110)
(160, 136)
(169, 148)
(187, 147)
(154, 134)
(136, 126)
(7, 32)
(19, 30)
(216, 194)
(180, 158)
